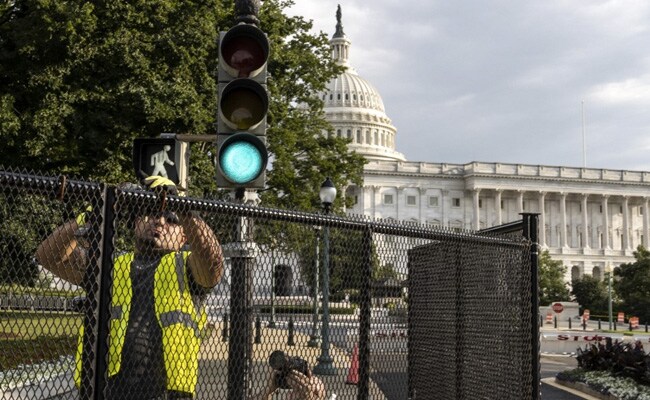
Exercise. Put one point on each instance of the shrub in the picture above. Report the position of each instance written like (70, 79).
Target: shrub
(621, 359)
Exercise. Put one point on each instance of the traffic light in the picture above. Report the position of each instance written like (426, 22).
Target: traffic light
(243, 105)
(166, 157)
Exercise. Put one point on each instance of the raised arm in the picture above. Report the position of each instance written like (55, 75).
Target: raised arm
(206, 259)
(61, 254)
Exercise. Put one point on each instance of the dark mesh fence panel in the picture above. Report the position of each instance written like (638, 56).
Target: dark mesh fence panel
(172, 297)
(44, 219)
(470, 319)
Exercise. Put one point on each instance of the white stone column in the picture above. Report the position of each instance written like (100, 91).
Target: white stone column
(443, 206)
(542, 219)
(626, 223)
(585, 221)
(646, 223)
(497, 206)
(376, 201)
(605, 206)
(563, 239)
(398, 191)
(476, 224)
(520, 203)
(421, 198)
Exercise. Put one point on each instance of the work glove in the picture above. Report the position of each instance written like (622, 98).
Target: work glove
(83, 227)
(83, 216)
(160, 183)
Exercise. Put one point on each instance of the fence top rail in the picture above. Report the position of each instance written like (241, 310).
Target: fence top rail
(58, 186)
(135, 196)
(55, 186)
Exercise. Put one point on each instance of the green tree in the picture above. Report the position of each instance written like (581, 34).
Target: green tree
(551, 280)
(386, 271)
(590, 293)
(80, 80)
(632, 285)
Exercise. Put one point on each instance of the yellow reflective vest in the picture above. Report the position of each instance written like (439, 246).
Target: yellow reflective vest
(180, 319)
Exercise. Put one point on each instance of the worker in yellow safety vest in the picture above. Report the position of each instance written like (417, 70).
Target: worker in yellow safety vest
(158, 290)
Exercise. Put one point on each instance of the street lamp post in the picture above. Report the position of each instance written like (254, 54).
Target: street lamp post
(608, 272)
(314, 339)
(325, 366)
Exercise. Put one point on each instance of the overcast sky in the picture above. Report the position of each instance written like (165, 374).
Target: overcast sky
(505, 80)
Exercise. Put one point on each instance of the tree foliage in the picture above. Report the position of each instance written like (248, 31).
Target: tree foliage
(591, 293)
(632, 285)
(552, 286)
(80, 80)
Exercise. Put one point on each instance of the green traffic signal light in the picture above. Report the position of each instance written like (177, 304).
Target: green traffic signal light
(242, 158)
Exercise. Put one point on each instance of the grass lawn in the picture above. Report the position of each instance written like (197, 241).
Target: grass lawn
(31, 337)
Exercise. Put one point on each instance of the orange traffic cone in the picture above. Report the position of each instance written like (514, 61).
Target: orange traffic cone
(549, 318)
(353, 373)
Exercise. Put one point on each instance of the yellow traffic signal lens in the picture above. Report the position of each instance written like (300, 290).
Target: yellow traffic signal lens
(243, 109)
(243, 104)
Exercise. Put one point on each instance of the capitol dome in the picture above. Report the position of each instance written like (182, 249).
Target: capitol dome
(355, 109)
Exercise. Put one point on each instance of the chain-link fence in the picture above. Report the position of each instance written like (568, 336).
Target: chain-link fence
(125, 293)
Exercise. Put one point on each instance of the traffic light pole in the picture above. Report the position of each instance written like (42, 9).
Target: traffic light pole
(242, 253)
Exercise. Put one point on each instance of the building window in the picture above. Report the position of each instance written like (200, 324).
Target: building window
(433, 201)
(410, 200)
(338, 96)
(355, 200)
(523, 205)
(347, 96)
(579, 207)
(358, 136)
(640, 210)
(455, 202)
(331, 96)
(600, 208)
(338, 132)
(350, 134)
(388, 199)
(502, 205)
(600, 241)
(480, 203)
(620, 210)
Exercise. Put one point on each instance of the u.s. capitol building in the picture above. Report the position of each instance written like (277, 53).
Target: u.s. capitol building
(590, 217)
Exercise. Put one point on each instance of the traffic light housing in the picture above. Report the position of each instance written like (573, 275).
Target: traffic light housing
(241, 155)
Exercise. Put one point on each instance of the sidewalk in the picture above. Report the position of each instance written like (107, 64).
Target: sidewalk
(213, 367)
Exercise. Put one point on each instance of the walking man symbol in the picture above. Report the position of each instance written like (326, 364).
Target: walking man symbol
(158, 161)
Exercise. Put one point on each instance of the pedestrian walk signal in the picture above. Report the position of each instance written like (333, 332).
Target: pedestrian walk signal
(243, 106)
(165, 157)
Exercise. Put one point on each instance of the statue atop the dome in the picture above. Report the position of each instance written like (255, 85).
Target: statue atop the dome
(339, 25)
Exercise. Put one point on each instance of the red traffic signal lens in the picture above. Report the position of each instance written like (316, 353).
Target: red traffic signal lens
(244, 51)
(243, 104)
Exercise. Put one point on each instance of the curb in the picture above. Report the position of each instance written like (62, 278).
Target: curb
(578, 389)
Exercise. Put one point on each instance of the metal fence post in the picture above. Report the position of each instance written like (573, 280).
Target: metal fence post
(95, 349)
(530, 232)
(364, 318)
(242, 256)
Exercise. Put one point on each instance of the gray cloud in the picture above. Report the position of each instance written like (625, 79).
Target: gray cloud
(504, 80)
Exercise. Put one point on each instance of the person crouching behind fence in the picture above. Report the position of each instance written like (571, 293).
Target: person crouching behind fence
(157, 310)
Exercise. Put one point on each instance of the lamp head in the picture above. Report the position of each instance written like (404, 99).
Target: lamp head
(327, 193)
